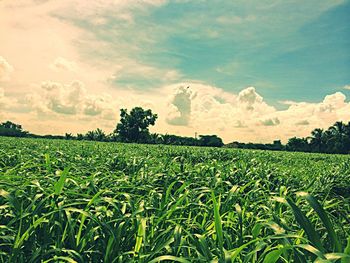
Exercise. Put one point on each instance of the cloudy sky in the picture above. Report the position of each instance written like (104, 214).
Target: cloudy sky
(244, 70)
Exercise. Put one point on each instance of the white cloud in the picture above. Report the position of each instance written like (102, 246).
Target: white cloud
(5, 69)
(249, 97)
(6, 103)
(347, 87)
(246, 116)
(207, 109)
(56, 107)
(63, 64)
(71, 99)
(180, 106)
(201, 109)
(270, 122)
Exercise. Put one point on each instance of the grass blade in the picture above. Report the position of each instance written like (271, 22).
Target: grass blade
(325, 219)
(305, 223)
(58, 187)
(218, 226)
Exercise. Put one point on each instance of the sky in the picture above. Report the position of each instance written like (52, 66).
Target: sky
(252, 71)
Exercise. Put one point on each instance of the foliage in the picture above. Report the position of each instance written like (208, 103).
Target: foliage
(9, 128)
(336, 139)
(133, 126)
(82, 201)
(210, 140)
(275, 146)
(298, 144)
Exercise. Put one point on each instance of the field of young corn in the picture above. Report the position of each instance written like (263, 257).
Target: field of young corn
(79, 201)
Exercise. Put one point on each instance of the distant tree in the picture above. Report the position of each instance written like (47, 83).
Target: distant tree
(155, 138)
(9, 128)
(210, 140)
(113, 137)
(99, 135)
(69, 136)
(347, 129)
(337, 142)
(90, 135)
(166, 138)
(338, 128)
(80, 136)
(11, 125)
(276, 145)
(133, 126)
(298, 145)
(317, 140)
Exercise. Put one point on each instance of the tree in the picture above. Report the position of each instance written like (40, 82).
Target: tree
(133, 126)
(11, 125)
(80, 136)
(210, 140)
(9, 128)
(100, 135)
(90, 135)
(69, 136)
(337, 138)
(297, 145)
(317, 138)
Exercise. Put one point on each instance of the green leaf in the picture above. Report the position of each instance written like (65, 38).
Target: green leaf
(305, 223)
(325, 219)
(58, 187)
(347, 252)
(218, 225)
(273, 255)
(141, 233)
(170, 258)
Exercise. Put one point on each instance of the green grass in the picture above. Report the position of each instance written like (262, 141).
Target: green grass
(70, 201)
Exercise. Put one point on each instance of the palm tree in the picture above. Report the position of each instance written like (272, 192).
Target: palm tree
(68, 136)
(347, 129)
(317, 139)
(338, 128)
(90, 135)
(99, 135)
(347, 137)
(336, 138)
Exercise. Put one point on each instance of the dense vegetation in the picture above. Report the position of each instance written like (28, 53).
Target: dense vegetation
(134, 128)
(81, 201)
(11, 129)
(336, 139)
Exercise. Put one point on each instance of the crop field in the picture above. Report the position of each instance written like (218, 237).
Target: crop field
(80, 201)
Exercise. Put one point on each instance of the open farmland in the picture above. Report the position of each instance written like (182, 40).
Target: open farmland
(71, 201)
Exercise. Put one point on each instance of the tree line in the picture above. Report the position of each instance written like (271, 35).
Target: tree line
(336, 139)
(133, 127)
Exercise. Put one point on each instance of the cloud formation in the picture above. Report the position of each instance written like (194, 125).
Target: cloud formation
(270, 122)
(184, 109)
(71, 99)
(147, 52)
(180, 107)
(3, 99)
(5, 69)
(207, 109)
(63, 64)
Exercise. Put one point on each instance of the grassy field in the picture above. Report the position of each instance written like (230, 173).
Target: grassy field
(71, 201)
